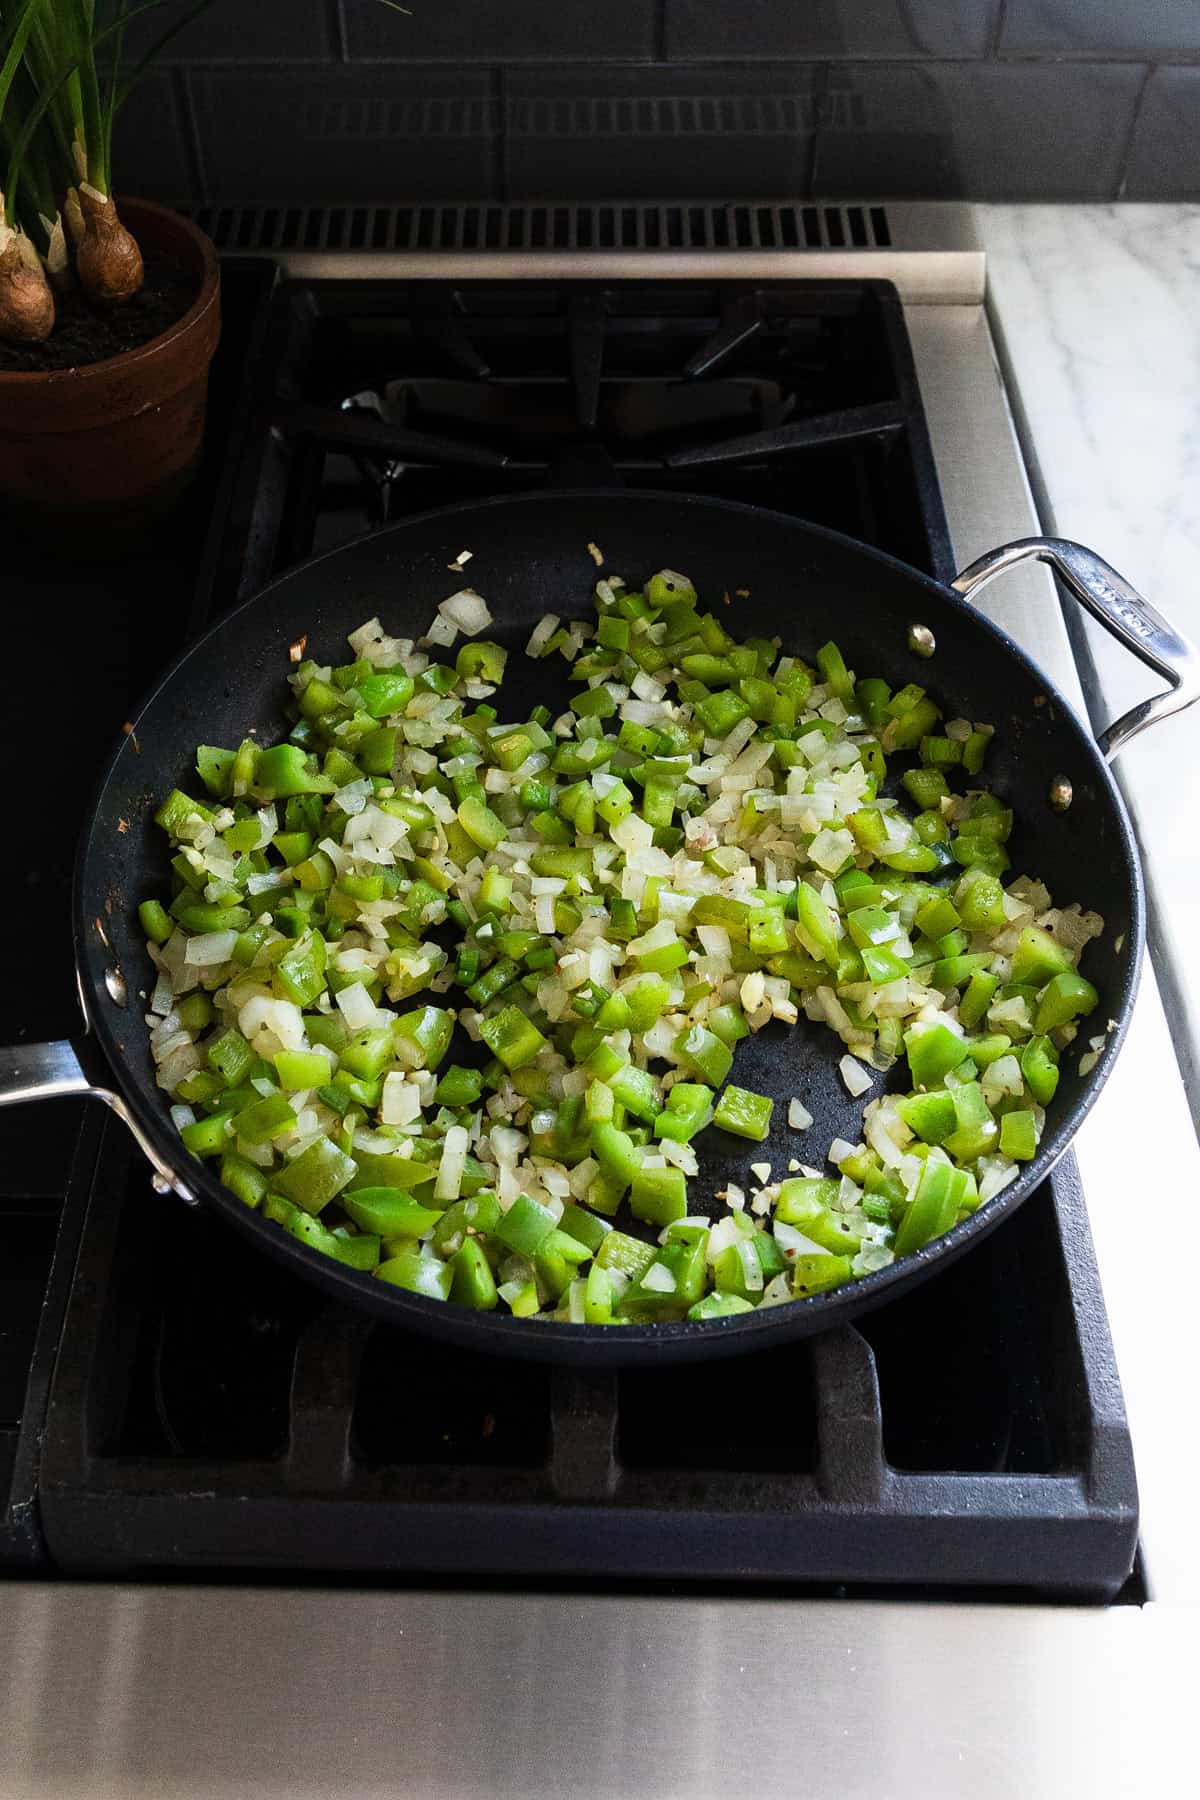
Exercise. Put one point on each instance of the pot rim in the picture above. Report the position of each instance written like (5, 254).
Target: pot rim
(13, 379)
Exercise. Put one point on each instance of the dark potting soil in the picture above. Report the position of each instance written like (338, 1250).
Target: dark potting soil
(85, 334)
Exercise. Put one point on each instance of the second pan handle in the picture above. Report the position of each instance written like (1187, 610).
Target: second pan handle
(54, 1072)
(1120, 609)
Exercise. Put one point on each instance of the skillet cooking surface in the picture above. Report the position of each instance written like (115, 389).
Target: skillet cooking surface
(802, 584)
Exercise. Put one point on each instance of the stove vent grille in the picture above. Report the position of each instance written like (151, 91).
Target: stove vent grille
(546, 226)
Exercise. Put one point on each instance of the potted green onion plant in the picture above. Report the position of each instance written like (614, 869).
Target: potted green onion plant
(109, 309)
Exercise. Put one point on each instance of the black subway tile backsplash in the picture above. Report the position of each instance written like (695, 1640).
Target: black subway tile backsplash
(663, 132)
(501, 31)
(816, 29)
(1164, 158)
(151, 148)
(1134, 28)
(354, 99)
(361, 134)
(980, 130)
(236, 31)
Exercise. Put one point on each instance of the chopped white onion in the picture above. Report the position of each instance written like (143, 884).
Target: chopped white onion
(793, 1243)
(354, 796)
(658, 1279)
(450, 1169)
(997, 1173)
(356, 1006)
(401, 1101)
(208, 948)
(468, 610)
(441, 633)
(855, 1077)
(541, 634)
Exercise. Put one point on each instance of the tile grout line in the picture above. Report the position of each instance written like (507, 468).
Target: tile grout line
(500, 132)
(335, 27)
(822, 75)
(185, 112)
(1131, 134)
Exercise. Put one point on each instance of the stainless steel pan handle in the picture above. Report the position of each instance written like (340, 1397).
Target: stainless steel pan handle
(54, 1072)
(1121, 610)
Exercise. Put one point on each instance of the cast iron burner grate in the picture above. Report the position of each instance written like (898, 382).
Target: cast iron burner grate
(376, 400)
(171, 1404)
(211, 1415)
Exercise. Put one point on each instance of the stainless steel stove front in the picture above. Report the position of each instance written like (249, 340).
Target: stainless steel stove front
(116, 1691)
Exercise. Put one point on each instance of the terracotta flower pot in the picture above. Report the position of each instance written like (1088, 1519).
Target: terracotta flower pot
(91, 454)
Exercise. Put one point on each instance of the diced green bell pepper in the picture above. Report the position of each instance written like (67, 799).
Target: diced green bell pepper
(1039, 1067)
(207, 1137)
(512, 1037)
(684, 1263)
(472, 1282)
(525, 1226)
(591, 1231)
(932, 1052)
(389, 1212)
(284, 769)
(658, 1195)
(300, 974)
(980, 901)
(806, 1203)
(418, 1274)
(977, 998)
(815, 925)
(647, 998)
(243, 1178)
(817, 1274)
(627, 1255)
(938, 916)
(1018, 1135)
(931, 1210)
(316, 1176)
(1065, 997)
(744, 1114)
(231, 1056)
(615, 1151)
(264, 1119)
(298, 1069)
(1037, 958)
(638, 1092)
(975, 1131)
(155, 921)
(931, 1116)
(688, 1110)
(720, 1306)
(728, 1023)
(428, 1030)
(459, 1087)
(704, 1052)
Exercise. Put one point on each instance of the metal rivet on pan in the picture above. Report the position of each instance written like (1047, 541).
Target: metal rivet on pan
(114, 981)
(160, 1184)
(1061, 793)
(921, 640)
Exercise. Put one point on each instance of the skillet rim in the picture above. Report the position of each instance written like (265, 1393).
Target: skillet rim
(541, 1339)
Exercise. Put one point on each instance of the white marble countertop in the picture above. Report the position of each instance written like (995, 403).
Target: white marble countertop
(1096, 310)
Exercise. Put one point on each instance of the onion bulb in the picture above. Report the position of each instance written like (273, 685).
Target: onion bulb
(26, 302)
(108, 261)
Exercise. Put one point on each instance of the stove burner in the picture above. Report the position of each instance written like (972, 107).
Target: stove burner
(177, 1404)
(799, 396)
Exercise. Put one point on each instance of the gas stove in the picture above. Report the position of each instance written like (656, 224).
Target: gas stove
(173, 1409)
